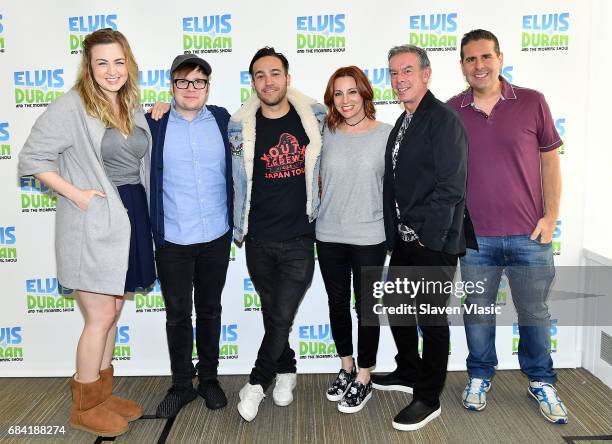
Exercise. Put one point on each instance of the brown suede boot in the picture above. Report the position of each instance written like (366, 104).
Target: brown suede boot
(130, 410)
(89, 411)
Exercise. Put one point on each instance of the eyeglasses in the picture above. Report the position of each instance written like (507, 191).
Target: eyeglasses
(197, 83)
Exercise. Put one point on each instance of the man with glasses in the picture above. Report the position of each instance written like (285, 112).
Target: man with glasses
(191, 217)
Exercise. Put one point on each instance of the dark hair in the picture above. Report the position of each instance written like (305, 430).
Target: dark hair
(334, 118)
(187, 68)
(479, 34)
(269, 51)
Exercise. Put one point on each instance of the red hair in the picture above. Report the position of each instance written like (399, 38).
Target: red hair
(334, 118)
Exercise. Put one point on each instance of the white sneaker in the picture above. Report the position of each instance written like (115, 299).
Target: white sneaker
(283, 390)
(250, 398)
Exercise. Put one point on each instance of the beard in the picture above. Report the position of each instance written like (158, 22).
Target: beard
(273, 101)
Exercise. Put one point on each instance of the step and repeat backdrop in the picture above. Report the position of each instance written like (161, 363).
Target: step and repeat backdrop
(545, 45)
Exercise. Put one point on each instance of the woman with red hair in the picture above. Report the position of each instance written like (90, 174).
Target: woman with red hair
(350, 229)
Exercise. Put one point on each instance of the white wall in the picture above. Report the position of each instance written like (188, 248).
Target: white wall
(35, 37)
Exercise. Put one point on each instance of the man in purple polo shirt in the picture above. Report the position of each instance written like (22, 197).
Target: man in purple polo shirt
(513, 192)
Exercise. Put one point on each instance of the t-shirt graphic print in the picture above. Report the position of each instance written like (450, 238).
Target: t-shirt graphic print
(278, 197)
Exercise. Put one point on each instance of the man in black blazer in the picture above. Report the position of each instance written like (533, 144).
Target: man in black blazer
(424, 205)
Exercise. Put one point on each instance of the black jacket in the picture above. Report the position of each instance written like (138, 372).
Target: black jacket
(429, 181)
(156, 204)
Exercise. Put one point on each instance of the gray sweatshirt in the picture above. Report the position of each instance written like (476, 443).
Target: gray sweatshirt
(352, 169)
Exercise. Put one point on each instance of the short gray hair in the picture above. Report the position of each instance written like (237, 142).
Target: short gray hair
(411, 49)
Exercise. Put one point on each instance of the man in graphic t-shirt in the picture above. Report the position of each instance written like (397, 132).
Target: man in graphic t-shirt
(276, 144)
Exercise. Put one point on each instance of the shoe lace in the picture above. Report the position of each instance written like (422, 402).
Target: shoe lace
(254, 394)
(550, 394)
(476, 385)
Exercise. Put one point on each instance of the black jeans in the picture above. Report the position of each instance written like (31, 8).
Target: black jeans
(336, 262)
(428, 373)
(281, 272)
(199, 269)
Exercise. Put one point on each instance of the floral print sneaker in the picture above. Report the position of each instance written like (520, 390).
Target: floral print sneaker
(355, 397)
(338, 388)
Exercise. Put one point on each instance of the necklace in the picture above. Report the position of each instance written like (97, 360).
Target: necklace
(356, 123)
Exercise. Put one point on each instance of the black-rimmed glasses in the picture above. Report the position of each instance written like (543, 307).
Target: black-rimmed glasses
(184, 83)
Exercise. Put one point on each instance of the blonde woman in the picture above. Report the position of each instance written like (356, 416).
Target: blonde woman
(92, 147)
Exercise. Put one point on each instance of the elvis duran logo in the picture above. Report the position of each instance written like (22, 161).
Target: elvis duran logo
(434, 32)
(556, 240)
(246, 88)
(545, 32)
(46, 295)
(149, 300)
(10, 344)
(5, 148)
(1, 34)
(8, 239)
(559, 125)
(38, 87)
(207, 34)
(316, 341)
(506, 73)
(381, 85)
(321, 33)
(502, 290)
(228, 342)
(80, 26)
(36, 197)
(154, 86)
(251, 299)
(123, 349)
(554, 342)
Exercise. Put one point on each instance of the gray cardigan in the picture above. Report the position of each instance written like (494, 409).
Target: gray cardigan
(91, 246)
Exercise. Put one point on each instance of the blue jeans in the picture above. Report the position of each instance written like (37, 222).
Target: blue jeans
(530, 270)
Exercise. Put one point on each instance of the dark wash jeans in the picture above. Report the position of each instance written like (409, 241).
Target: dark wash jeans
(199, 269)
(427, 373)
(281, 272)
(336, 262)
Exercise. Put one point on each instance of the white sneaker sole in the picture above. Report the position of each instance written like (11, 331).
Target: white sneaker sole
(392, 388)
(336, 398)
(357, 408)
(418, 425)
(282, 402)
(474, 408)
(244, 414)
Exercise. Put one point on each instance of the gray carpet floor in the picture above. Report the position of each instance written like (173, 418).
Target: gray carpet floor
(511, 415)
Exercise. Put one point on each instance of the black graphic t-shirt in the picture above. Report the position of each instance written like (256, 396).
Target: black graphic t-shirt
(278, 197)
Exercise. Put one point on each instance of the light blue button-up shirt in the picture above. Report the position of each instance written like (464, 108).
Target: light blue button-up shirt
(195, 196)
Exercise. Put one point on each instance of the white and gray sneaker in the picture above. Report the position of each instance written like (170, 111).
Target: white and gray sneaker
(250, 398)
(283, 390)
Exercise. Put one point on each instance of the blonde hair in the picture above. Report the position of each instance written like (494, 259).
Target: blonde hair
(96, 102)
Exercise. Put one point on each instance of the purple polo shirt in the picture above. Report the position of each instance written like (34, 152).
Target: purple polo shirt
(504, 186)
